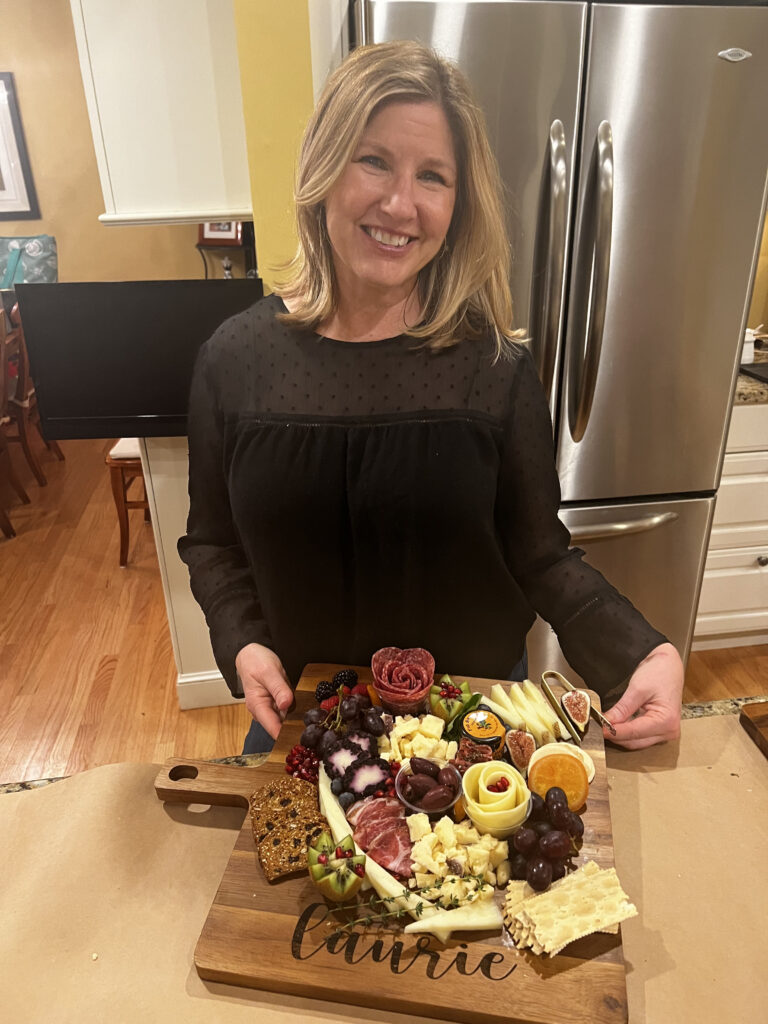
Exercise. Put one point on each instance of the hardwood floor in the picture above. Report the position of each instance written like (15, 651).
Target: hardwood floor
(87, 675)
(86, 668)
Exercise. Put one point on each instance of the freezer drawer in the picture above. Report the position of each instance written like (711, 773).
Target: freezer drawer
(652, 553)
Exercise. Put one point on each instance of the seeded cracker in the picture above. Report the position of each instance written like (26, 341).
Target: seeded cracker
(285, 818)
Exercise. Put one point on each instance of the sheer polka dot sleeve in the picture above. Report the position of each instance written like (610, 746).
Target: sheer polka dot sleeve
(220, 577)
(601, 633)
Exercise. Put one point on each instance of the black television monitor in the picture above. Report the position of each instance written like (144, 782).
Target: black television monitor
(115, 359)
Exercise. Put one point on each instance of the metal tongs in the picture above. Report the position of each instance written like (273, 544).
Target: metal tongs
(597, 715)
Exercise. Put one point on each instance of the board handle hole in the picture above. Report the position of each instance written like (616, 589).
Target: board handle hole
(182, 771)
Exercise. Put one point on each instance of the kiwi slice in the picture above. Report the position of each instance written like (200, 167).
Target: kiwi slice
(335, 868)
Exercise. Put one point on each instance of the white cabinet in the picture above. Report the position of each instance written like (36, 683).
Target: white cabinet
(733, 607)
(162, 85)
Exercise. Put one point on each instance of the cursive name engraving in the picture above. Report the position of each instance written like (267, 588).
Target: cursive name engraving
(356, 947)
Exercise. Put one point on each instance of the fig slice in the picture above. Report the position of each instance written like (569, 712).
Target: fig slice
(577, 705)
(520, 747)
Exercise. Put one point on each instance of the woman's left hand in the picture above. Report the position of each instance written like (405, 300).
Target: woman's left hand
(649, 710)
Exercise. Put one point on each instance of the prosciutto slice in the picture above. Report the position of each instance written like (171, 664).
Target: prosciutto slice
(402, 678)
(379, 828)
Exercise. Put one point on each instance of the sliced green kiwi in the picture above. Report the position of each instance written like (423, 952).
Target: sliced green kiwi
(335, 868)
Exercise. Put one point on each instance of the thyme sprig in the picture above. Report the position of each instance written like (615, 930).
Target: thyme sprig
(379, 910)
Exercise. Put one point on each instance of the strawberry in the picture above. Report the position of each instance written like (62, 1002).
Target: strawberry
(329, 704)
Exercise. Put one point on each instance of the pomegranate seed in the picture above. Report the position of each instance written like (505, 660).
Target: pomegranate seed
(359, 870)
(323, 858)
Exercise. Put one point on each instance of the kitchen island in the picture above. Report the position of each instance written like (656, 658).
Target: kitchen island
(106, 890)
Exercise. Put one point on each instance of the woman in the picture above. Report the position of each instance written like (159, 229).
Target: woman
(371, 457)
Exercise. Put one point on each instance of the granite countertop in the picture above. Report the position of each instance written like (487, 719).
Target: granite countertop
(703, 709)
(749, 390)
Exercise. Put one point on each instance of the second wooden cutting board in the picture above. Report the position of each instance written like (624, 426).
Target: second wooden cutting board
(281, 937)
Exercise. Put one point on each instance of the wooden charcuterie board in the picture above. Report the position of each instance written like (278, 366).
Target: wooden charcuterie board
(754, 718)
(277, 937)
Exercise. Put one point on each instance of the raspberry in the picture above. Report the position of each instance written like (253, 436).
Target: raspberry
(360, 690)
(330, 704)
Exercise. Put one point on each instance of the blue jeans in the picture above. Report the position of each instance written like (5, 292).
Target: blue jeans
(258, 740)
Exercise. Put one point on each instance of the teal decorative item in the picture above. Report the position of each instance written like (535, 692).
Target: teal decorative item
(28, 261)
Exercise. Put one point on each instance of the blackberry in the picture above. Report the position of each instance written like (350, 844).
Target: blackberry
(347, 677)
(325, 689)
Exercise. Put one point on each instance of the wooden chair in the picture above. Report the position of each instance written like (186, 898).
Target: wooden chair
(124, 461)
(22, 402)
(7, 474)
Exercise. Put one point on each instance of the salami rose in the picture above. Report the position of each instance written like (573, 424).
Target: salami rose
(402, 678)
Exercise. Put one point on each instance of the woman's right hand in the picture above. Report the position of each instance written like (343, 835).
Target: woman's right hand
(268, 694)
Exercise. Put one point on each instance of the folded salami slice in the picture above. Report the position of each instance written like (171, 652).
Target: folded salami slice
(402, 678)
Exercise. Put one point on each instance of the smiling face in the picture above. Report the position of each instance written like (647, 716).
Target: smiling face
(390, 210)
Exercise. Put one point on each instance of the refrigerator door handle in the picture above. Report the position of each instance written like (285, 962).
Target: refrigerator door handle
(621, 527)
(550, 233)
(583, 375)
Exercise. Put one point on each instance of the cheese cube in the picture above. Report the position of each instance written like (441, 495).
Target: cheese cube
(432, 726)
(418, 826)
(407, 726)
(466, 833)
(451, 750)
(422, 878)
(422, 746)
(499, 853)
(487, 841)
(478, 859)
(445, 832)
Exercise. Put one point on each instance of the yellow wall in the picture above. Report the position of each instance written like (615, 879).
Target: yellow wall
(37, 44)
(276, 74)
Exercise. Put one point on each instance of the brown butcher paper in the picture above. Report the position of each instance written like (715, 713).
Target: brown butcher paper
(105, 891)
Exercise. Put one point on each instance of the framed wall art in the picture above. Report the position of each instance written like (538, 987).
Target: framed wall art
(18, 199)
(217, 233)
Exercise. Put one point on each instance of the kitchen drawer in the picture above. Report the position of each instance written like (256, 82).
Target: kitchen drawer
(741, 512)
(734, 592)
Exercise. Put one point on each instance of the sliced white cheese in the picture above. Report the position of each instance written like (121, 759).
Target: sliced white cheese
(510, 718)
(483, 915)
(386, 885)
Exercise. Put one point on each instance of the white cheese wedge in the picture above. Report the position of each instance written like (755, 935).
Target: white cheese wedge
(483, 915)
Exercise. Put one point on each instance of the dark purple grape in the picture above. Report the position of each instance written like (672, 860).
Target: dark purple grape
(328, 741)
(525, 840)
(314, 716)
(538, 808)
(555, 845)
(541, 827)
(349, 709)
(363, 700)
(346, 800)
(555, 797)
(373, 723)
(355, 725)
(558, 869)
(539, 874)
(574, 825)
(311, 736)
(559, 816)
(518, 867)
(337, 787)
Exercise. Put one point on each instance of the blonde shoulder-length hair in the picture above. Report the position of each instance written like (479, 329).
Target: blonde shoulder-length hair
(464, 290)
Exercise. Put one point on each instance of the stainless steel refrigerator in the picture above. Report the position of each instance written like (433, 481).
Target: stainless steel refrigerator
(633, 143)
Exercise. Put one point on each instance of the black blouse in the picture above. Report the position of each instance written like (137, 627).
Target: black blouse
(350, 496)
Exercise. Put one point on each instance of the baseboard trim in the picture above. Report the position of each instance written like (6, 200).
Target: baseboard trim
(729, 640)
(202, 690)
